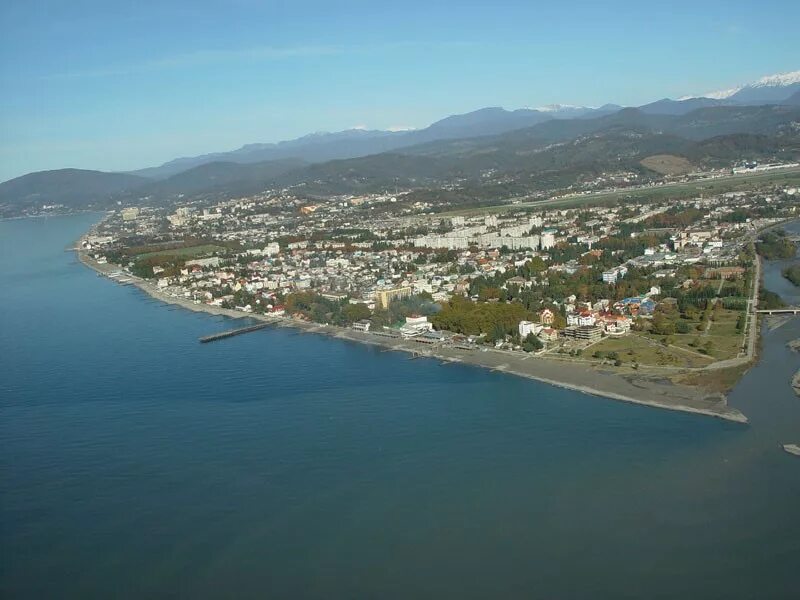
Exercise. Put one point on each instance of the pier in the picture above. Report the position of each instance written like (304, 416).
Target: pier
(232, 332)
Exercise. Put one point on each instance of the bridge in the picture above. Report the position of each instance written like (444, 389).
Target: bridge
(787, 310)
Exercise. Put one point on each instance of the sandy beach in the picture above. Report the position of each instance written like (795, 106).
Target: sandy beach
(645, 389)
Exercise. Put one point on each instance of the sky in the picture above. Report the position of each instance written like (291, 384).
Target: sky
(121, 85)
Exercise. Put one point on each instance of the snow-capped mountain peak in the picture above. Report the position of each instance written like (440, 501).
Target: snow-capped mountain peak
(780, 79)
(722, 94)
(559, 108)
(777, 80)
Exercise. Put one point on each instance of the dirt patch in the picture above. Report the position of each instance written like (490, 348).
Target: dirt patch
(719, 381)
(667, 164)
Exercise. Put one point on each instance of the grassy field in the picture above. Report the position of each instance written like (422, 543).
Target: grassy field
(725, 340)
(721, 185)
(667, 164)
(645, 351)
(723, 334)
(183, 253)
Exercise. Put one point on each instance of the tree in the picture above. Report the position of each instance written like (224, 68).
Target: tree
(355, 312)
(531, 343)
(663, 325)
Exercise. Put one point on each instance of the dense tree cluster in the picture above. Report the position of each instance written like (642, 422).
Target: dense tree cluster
(495, 319)
(774, 245)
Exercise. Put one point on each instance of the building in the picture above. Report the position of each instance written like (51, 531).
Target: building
(415, 325)
(383, 298)
(548, 334)
(724, 273)
(581, 319)
(612, 275)
(546, 317)
(418, 322)
(362, 325)
(212, 261)
(589, 333)
(547, 240)
(272, 249)
(614, 324)
(528, 327)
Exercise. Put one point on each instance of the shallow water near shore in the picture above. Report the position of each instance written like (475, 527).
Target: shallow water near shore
(138, 462)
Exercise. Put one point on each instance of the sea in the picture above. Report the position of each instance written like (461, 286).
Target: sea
(136, 462)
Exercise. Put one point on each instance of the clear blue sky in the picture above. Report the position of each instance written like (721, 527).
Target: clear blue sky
(120, 85)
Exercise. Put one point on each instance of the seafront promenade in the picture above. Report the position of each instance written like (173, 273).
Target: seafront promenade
(637, 388)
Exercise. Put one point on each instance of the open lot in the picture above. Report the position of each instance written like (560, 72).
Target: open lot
(646, 351)
(183, 253)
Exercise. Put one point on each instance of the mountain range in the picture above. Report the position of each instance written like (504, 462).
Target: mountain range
(454, 147)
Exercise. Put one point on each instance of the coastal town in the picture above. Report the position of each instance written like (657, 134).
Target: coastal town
(645, 289)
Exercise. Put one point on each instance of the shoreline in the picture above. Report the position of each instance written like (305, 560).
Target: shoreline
(639, 389)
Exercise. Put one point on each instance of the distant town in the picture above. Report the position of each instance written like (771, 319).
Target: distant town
(649, 288)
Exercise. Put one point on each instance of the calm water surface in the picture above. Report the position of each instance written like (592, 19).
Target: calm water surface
(139, 463)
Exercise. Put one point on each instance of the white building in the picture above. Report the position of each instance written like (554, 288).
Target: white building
(527, 327)
(612, 275)
(548, 240)
(362, 325)
(583, 319)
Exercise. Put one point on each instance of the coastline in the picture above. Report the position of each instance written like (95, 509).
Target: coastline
(652, 391)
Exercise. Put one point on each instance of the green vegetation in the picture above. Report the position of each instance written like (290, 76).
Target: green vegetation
(793, 274)
(182, 252)
(531, 343)
(170, 256)
(774, 245)
(768, 300)
(313, 307)
(645, 351)
(495, 319)
(713, 330)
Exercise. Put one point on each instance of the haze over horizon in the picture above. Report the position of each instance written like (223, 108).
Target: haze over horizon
(99, 85)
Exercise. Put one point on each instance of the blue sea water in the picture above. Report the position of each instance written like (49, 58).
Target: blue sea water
(137, 462)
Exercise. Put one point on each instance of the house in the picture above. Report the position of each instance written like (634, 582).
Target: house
(520, 282)
(636, 306)
(548, 334)
(546, 317)
(615, 324)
